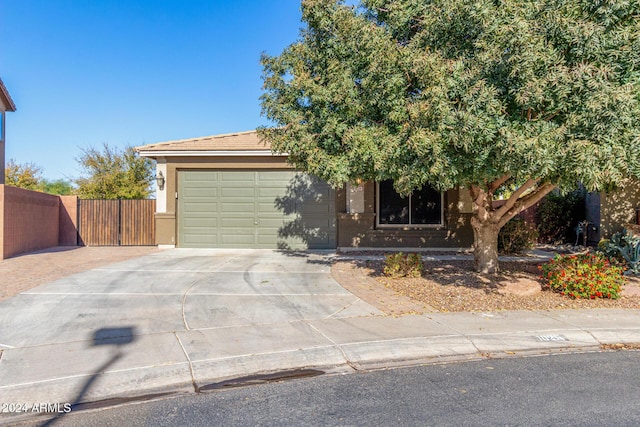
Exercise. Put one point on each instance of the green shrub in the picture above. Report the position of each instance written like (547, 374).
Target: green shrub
(516, 236)
(583, 276)
(558, 215)
(403, 265)
(625, 248)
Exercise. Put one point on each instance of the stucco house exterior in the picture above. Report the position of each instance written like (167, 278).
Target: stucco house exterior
(611, 212)
(6, 104)
(231, 191)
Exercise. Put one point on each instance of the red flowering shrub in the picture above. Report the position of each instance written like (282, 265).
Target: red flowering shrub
(583, 276)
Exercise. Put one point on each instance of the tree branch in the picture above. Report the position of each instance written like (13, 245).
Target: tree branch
(497, 183)
(535, 196)
(526, 202)
(510, 203)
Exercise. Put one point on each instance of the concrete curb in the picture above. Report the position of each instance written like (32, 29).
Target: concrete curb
(213, 356)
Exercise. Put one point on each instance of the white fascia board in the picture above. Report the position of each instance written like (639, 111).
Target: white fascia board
(216, 153)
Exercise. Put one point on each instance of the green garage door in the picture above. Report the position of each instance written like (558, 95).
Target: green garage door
(255, 209)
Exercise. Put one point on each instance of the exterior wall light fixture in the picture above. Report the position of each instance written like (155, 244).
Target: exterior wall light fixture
(160, 180)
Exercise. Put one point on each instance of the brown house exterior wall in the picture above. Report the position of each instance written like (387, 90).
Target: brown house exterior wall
(358, 230)
(618, 208)
(353, 230)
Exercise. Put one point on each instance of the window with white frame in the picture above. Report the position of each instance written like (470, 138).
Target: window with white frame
(421, 208)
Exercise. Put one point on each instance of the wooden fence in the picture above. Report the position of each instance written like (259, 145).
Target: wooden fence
(116, 222)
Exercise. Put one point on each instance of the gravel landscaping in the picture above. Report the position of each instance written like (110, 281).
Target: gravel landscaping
(453, 286)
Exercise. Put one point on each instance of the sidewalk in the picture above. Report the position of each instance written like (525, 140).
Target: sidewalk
(124, 361)
(193, 361)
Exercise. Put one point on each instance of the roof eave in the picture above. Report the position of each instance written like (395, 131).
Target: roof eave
(210, 153)
(6, 98)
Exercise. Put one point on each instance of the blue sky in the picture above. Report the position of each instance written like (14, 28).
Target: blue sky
(84, 73)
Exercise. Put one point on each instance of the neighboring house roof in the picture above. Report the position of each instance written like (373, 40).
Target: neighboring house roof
(5, 98)
(238, 143)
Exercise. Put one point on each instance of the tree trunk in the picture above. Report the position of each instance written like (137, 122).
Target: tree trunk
(485, 246)
(487, 221)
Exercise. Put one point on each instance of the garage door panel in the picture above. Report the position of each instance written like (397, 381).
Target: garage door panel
(202, 229)
(264, 177)
(205, 192)
(237, 192)
(208, 221)
(263, 209)
(269, 209)
(270, 192)
(237, 239)
(245, 223)
(266, 240)
(230, 207)
(202, 182)
(200, 240)
(234, 178)
(201, 177)
(196, 207)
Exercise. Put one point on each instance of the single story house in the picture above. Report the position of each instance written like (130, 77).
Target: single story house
(231, 191)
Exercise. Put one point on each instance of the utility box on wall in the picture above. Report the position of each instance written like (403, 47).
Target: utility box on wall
(355, 198)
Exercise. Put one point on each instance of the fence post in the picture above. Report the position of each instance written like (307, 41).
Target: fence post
(78, 225)
(119, 222)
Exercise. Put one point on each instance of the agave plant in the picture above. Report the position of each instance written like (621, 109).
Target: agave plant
(625, 246)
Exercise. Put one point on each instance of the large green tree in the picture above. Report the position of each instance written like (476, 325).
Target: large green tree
(480, 94)
(112, 173)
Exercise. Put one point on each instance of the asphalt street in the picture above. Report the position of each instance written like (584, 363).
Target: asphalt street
(583, 389)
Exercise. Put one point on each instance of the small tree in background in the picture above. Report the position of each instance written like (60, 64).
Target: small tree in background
(29, 176)
(111, 173)
(60, 187)
(23, 175)
(479, 94)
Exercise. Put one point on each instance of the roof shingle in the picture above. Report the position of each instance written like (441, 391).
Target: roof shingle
(238, 141)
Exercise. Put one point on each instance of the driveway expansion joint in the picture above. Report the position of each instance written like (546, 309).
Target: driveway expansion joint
(186, 354)
(336, 345)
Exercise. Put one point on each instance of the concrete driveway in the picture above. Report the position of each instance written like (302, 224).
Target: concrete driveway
(179, 290)
(175, 318)
(181, 321)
